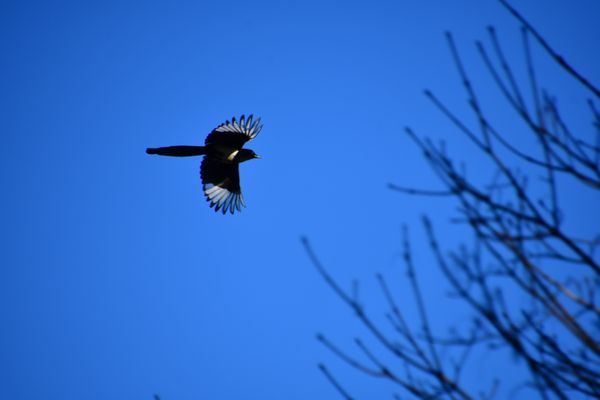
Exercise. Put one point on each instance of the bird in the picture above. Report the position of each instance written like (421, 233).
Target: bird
(223, 153)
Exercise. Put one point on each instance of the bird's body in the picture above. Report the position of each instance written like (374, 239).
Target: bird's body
(222, 153)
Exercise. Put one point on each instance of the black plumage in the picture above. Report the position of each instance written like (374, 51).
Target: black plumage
(222, 153)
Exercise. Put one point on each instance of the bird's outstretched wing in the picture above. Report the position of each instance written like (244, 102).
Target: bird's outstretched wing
(221, 185)
(235, 133)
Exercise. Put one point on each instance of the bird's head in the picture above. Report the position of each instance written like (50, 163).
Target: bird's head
(245, 155)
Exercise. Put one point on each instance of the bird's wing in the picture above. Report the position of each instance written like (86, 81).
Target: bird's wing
(235, 133)
(221, 185)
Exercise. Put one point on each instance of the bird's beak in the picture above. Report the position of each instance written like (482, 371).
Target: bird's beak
(257, 156)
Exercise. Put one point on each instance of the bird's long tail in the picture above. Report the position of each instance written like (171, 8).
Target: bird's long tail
(177, 151)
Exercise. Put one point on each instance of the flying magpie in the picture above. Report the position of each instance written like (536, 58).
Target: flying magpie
(222, 153)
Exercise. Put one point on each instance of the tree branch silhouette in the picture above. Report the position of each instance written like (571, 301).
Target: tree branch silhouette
(522, 248)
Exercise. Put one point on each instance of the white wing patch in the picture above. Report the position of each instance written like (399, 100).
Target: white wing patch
(232, 155)
(244, 126)
(222, 199)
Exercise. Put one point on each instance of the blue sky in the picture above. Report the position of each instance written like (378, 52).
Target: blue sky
(117, 281)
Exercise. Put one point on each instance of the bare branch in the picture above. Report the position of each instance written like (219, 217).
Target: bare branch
(558, 58)
(334, 382)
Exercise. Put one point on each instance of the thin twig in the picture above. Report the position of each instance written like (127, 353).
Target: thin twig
(558, 58)
(334, 382)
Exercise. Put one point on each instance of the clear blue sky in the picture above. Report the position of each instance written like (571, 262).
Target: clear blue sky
(116, 279)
